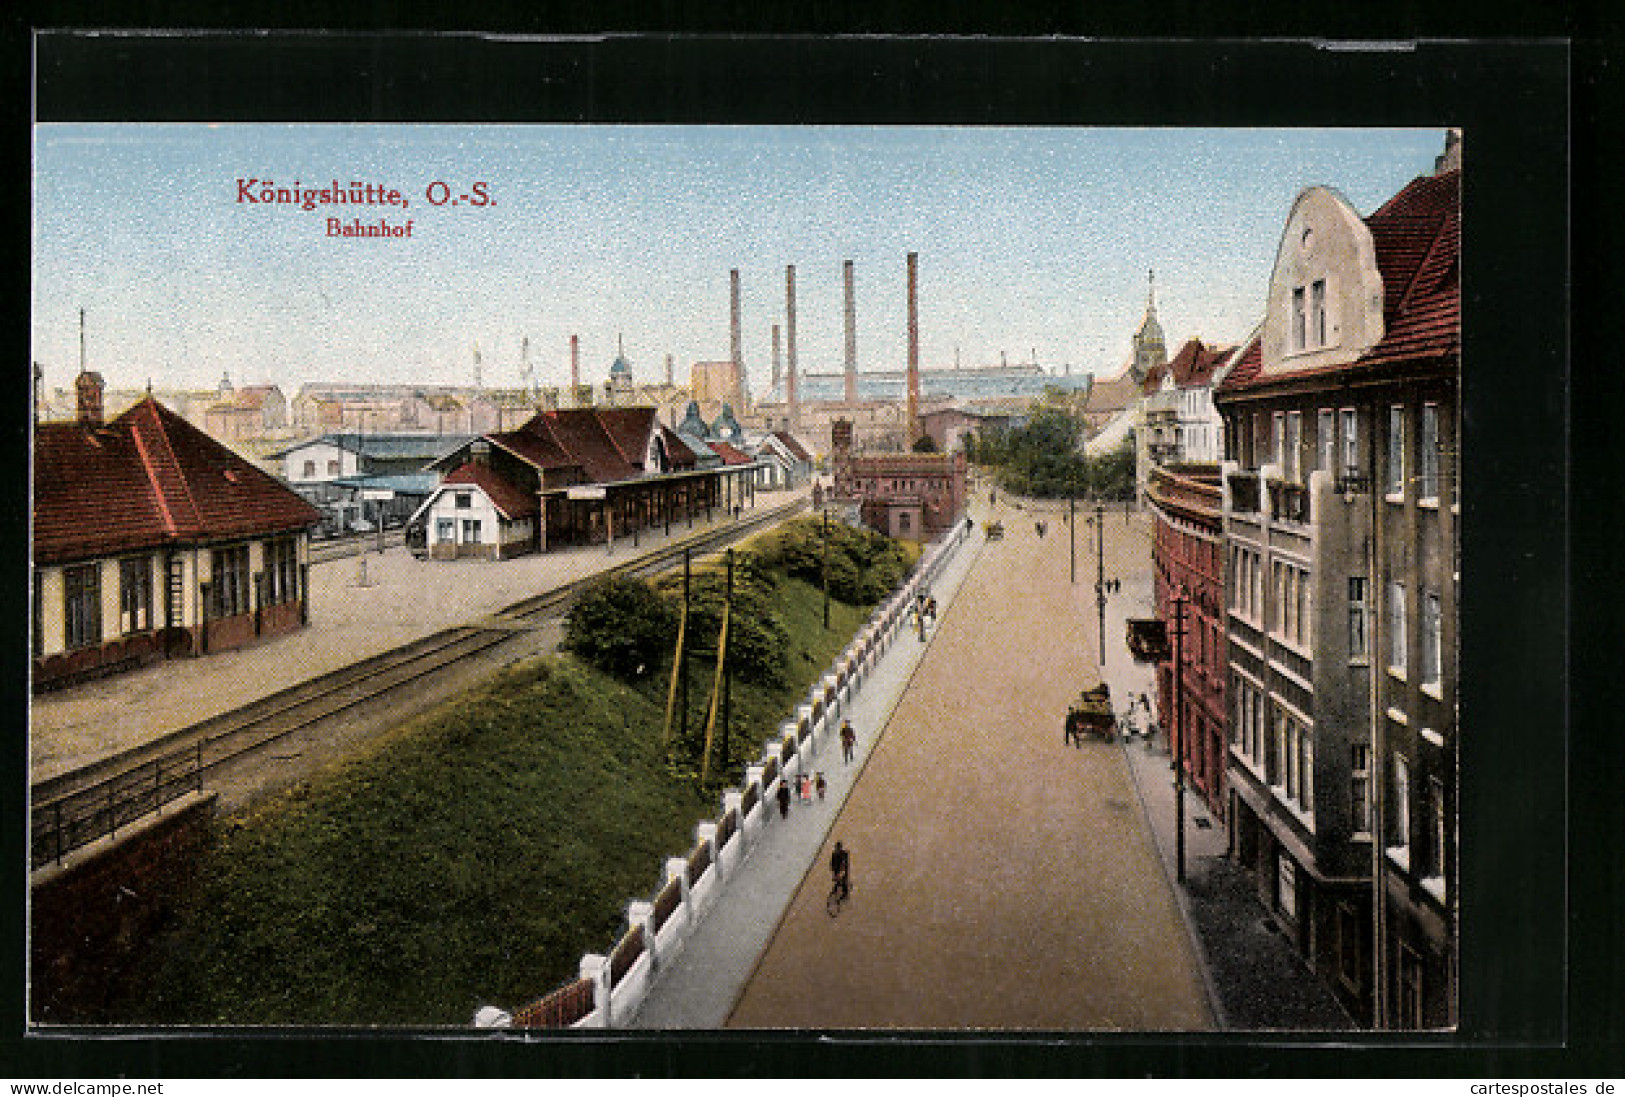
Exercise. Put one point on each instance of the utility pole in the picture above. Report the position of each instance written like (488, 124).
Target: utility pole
(1072, 532)
(826, 567)
(727, 671)
(683, 722)
(1100, 576)
(1178, 598)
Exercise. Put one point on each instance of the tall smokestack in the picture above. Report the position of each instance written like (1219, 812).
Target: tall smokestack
(668, 371)
(575, 368)
(913, 349)
(778, 366)
(790, 343)
(851, 338)
(736, 353)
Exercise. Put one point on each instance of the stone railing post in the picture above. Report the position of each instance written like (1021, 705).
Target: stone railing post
(596, 968)
(641, 914)
(732, 800)
(707, 833)
(677, 869)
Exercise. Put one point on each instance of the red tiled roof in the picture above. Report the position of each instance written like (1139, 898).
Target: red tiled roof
(146, 479)
(534, 443)
(629, 429)
(509, 500)
(1192, 366)
(1246, 368)
(680, 456)
(583, 435)
(729, 455)
(1417, 237)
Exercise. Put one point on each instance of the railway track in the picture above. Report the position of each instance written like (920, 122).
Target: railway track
(72, 809)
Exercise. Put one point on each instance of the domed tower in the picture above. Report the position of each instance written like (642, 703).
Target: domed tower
(1150, 349)
(620, 375)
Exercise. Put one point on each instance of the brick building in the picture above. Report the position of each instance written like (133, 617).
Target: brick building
(1187, 556)
(915, 496)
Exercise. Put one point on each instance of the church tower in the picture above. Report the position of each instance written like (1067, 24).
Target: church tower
(1149, 347)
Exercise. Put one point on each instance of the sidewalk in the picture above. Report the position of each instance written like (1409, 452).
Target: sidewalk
(698, 989)
(1255, 979)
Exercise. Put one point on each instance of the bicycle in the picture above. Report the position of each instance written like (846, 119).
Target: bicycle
(839, 892)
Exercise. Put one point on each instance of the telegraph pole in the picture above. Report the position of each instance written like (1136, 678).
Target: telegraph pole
(1072, 532)
(683, 724)
(1100, 575)
(727, 670)
(826, 567)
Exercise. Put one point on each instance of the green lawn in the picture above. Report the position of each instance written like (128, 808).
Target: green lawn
(470, 859)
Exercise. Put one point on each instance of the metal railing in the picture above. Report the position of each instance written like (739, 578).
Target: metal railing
(60, 826)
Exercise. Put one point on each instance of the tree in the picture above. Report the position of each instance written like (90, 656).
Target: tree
(925, 444)
(621, 626)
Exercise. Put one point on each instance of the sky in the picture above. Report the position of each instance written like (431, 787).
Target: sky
(1033, 244)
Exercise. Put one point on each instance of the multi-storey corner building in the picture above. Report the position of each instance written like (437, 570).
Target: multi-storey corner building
(1187, 556)
(1340, 525)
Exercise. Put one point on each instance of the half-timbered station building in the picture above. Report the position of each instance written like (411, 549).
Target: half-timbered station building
(574, 476)
(151, 540)
(1341, 540)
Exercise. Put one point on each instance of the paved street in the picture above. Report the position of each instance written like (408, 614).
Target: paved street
(1002, 879)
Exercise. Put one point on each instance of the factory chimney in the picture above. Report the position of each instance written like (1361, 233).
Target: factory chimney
(668, 371)
(790, 345)
(736, 354)
(778, 366)
(913, 349)
(851, 339)
(575, 369)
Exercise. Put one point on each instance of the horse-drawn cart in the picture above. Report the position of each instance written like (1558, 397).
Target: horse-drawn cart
(1091, 714)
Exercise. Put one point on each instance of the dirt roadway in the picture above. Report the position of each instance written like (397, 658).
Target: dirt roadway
(1001, 879)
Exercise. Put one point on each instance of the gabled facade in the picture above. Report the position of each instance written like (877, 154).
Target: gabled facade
(151, 539)
(1341, 534)
(781, 461)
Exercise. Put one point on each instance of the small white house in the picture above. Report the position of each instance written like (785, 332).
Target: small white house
(474, 512)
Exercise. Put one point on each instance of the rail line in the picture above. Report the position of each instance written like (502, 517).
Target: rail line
(73, 809)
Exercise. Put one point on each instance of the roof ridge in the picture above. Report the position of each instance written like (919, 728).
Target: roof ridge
(164, 453)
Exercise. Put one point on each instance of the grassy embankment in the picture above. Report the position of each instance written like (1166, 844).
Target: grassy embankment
(470, 858)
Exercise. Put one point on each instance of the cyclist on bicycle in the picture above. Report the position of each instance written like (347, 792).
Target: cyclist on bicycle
(840, 869)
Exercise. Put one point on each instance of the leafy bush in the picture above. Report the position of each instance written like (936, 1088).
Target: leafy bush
(864, 566)
(621, 626)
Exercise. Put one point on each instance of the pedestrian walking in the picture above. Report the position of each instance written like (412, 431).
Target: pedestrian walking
(821, 785)
(784, 798)
(849, 740)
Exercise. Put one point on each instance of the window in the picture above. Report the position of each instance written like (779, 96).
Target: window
(1295, 754)
(1428, 458)
(135, 595)
(1432, 639)
(465, 500)
(1357, 617)
(1360, 789)
(445, 530)
(1303, 636)
(471, 531)
(1437, 828)
(1317, 311)
(1286, 886)
(1294, 441)
(1350, 439)
(1410, 987)
(1278, 446)
(281, 571)
(1396, 628)
(230, 587)
(1326, 441)
(310, 470)
(1401, 838)
(82, 605)
(332, 468)
(1396, 450)
(1299, 319)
